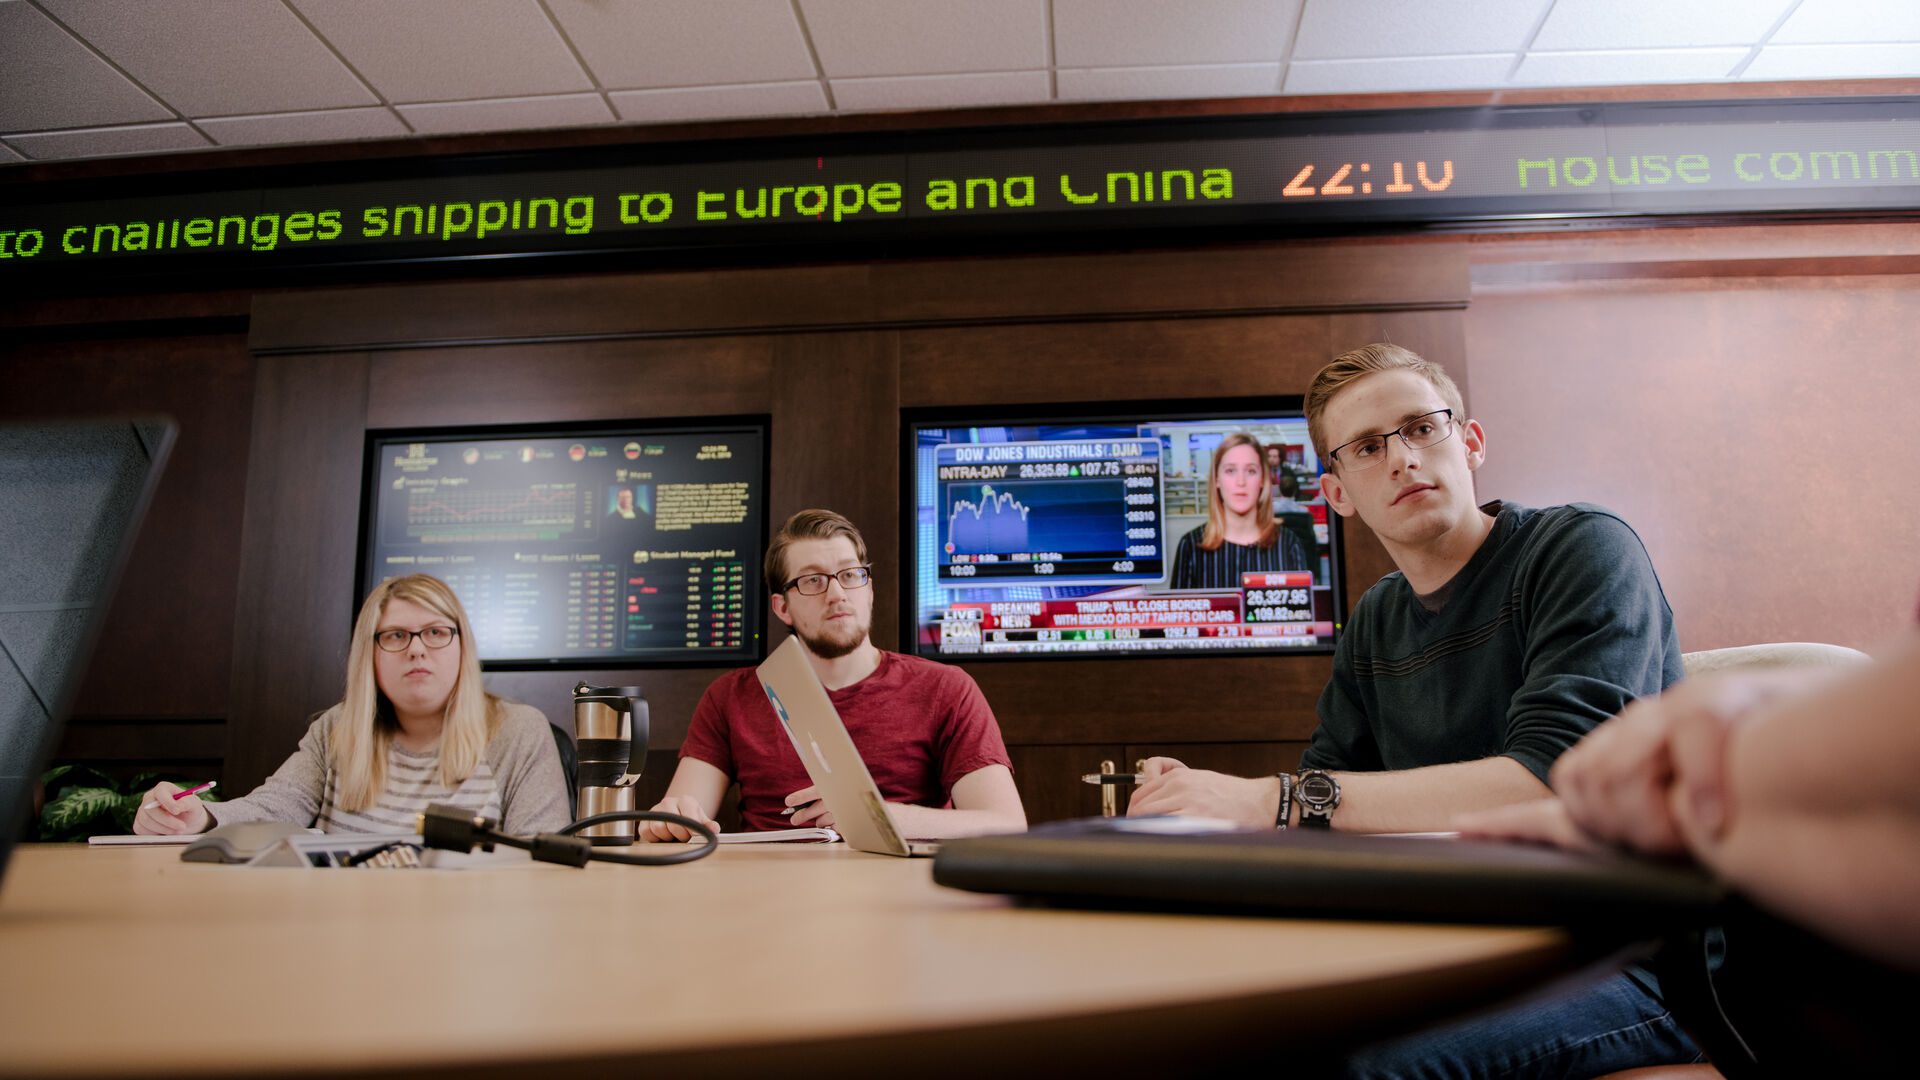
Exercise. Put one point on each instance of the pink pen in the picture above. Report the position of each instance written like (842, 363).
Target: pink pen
(178, 795)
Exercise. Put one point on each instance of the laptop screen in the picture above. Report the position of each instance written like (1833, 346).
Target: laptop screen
(72, 494)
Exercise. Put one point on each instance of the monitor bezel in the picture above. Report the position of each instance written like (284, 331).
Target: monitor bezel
(364, 574)
(1278, 406)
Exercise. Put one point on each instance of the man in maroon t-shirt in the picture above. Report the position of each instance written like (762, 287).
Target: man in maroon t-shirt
(924, 729)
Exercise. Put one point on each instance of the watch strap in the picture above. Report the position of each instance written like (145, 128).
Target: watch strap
(1285, 815)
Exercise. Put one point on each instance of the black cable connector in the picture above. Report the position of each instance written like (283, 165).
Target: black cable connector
(450, 828)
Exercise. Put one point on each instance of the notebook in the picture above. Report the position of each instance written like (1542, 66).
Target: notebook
(808, 835)
(832, 761)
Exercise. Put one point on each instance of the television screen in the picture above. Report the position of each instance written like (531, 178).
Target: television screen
(1117, 535)
(604, 546)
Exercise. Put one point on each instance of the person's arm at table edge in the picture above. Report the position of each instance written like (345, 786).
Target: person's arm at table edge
(984, 801)
(695, 792)
(1822, 817)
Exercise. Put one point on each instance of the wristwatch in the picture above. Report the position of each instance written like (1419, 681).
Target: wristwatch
(1318, 793)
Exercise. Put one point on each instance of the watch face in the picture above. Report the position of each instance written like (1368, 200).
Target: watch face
(1316, 789)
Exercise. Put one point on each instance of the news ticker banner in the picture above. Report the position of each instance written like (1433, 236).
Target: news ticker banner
(1410, 166)
(1270, 609)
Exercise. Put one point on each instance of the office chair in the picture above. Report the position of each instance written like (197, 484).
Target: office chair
(570, 765)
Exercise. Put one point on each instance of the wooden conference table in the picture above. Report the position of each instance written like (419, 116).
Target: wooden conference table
(784, 959)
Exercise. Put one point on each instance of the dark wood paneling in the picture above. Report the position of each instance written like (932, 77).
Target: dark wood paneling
(1154, 359)
(1273, 278)
(836, 444)
(1049, 779)
(297, 549)
(1151, 699)
(165, 648)
(146, 742)
(556, 382)
(529, 309)
(1267, 278)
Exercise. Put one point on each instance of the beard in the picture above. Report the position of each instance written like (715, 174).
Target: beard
(831, 644)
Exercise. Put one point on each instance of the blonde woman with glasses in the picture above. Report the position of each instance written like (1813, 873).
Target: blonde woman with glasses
(416, 727)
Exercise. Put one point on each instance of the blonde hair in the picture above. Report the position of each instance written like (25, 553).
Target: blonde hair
(364, 730)
(806, 525)
(1216, 531)
(1349, 367)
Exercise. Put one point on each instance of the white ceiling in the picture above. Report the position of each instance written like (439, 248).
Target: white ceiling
(91, 78)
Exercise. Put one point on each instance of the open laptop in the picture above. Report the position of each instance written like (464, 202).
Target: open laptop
(72, 495)
(827, 751)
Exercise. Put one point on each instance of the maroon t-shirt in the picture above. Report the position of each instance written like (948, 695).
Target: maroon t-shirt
(919, 725)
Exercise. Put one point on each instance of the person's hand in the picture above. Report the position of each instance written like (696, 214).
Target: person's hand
(162, 815)
(1169, 787)
(666, 831)
(811, 809)
(1539, 821)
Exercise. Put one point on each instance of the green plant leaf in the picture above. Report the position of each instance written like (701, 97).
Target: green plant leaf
(76, 811)
(70, 776)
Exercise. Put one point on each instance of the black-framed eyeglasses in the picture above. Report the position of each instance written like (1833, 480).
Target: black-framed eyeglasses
(433, 637)
(1418, 433)
(853, 577)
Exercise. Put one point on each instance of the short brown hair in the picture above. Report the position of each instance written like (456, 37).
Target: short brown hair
(807, 525)
(1352, 366)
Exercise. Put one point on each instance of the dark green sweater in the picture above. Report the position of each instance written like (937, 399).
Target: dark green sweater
(1554, 625)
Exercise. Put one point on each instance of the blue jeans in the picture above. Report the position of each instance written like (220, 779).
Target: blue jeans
(1586, 1031)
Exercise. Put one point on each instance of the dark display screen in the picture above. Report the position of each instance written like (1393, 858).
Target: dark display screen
(1424, 165)
(611, 546)
(1087, 538)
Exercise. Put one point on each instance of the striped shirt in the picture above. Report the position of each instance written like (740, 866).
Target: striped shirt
(517, 781)
(1221, 568)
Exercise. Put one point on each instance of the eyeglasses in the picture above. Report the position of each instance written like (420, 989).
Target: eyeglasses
(853, 577)
(433, 637)
(1418, 433)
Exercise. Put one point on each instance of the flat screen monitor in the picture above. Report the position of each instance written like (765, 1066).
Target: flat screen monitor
(615, 545)
(1057, 535)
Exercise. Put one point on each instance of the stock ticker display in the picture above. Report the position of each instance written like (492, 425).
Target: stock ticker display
(1410, 165)
(1061, 538)
(624, 546)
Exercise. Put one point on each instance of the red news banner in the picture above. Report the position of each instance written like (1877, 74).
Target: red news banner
(1277, 604)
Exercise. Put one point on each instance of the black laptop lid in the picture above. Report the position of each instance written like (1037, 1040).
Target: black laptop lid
(72, 494)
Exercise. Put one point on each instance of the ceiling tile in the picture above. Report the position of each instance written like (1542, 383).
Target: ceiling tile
(1133, 33)
(1155, 83)
(720, 102)
(106, 141)
(658, 43)
(565, 110)
(1627, 66)
(1835, 62)
(1406, 73)
(926, 37)
(7, 155)
(1381, 28)
(331, 125)
(1589, 25)
(1817, 22)
(49, 80)
(209, 57)
(449, 50)
(943, 91)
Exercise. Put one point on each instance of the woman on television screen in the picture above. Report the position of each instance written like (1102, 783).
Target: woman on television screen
(416, 727)
(1240, 535)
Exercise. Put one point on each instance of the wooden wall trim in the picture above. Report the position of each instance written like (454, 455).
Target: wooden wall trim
(1214, 281)
(297, 547)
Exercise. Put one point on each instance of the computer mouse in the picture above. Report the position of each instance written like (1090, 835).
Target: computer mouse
(238, 842)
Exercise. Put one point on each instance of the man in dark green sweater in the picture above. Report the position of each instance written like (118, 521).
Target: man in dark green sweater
(1506, 635)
